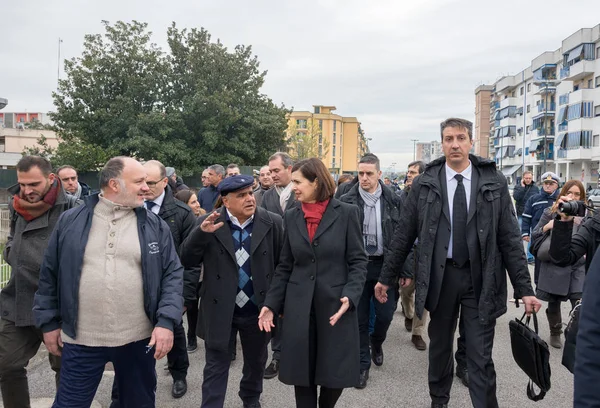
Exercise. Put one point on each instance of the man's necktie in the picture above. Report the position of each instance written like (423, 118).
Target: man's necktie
(460, 251)
(150, 205)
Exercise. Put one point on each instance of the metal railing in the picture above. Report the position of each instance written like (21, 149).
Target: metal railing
(4, 272)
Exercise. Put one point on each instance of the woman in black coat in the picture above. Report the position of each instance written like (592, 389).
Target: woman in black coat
(317, 285)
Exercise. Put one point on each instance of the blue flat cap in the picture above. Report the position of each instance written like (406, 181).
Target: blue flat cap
(235, 183)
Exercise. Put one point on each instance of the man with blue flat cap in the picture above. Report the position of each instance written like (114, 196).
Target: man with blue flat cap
(239, 245)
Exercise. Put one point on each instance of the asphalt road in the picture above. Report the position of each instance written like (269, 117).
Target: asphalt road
(400, 382)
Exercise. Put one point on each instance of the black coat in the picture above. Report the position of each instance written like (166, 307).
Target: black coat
(493, 239)
(57, 299)
(345, 187)
(221, 271)
(522, 194)
(567, 248)
(534, 208)
(270, 201)
(390, 211)
(315, 276)
(181, 221)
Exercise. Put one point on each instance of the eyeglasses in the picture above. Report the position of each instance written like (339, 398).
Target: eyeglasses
(153, 183)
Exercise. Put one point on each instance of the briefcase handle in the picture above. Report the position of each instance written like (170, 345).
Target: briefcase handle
(528, 319)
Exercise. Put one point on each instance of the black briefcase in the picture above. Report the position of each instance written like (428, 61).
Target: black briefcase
(568, 358)
(531, 354)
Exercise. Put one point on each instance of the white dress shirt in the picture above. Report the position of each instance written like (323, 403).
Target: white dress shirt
(158, 201)
(451, 184)
(236, 222)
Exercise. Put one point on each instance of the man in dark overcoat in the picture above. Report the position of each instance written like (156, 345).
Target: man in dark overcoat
(461, 212)
(239, 245)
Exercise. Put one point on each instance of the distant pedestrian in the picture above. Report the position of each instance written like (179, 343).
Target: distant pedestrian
(70, 181)
(208, 195)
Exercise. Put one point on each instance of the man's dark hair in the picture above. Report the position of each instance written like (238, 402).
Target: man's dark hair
(111, 170)
(313, 169)
(63, 167)
(218, 169)
(286, 159)
(345, 178)
(233, 166)
(457, 123)
(420, 166)
(27, 162)
(370, 158)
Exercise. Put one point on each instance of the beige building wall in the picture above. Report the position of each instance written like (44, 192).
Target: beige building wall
(15, 140)
(481, 136)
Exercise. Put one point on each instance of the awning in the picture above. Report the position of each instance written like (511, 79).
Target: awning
(575, 52)
(535, 145)
(519, 152)
(509, 171)
(562, 115)
(559, 139)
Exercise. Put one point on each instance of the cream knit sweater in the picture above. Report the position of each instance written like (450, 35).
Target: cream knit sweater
(111, 295)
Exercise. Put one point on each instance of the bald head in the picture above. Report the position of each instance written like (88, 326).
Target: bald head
(123, 181)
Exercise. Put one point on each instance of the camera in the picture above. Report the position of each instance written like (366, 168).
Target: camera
(573, 208)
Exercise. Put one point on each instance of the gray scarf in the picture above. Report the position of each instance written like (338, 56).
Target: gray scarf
(76, 194)
(370, 220)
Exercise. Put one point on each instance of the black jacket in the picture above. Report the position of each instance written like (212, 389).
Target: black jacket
(587, 366)
(207, 197)
(221, 271)
(345, 187)
(56, 303)
(567, 248)
(270, 202)
(181, 221)
(522, 194)
(493, 239)
(24, 252)
(390, 211)
(310, 280)
(534, 208)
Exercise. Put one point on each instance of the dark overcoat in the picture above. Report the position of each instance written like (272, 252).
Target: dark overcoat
(316, 276)
(270, 201)
(221, 271)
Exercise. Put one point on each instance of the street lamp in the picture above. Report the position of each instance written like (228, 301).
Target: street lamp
(3, 103)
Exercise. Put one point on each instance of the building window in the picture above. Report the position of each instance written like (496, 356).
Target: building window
(590, 83)
(528, 108)
(512, 94)
(597, 111)
(301, 123)
(521, 90)
(528, 87)
(596, 141)
(528, 128)
(341, 141)
(320, 138)
(598, 81)
(333, 154)
(538, 103)
(334, 138)
(334, 126)
(317, 109)
(598, 52)
(320, 124)
(320, 151)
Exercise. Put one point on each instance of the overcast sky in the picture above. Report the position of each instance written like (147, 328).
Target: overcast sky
(400, 66)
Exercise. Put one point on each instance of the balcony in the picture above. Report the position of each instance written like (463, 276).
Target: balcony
(583, 94)
(563, 127)
(549, 131)
(541, 108)
(574, 154)
(546, 88)
(579, 70)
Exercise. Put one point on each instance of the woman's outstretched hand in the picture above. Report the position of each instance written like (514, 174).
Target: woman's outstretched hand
(265, 320)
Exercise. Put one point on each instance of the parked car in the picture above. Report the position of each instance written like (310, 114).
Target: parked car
(593, 198)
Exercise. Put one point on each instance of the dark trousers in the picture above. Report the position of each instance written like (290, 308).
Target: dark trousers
(384, 312)
(479, 340)
(216, 369)
(83, 366)
(306, 397)
(276, 339)
(192, 319)
(18, 345)
(461, 352)
(177, 359)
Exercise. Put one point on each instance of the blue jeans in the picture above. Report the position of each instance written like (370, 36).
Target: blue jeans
(530, 257)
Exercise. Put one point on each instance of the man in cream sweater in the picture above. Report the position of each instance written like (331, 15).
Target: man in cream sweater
(110, 290)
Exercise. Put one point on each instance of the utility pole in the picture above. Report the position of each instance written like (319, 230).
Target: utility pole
(545, 124)
(58, 63)
(414, 148)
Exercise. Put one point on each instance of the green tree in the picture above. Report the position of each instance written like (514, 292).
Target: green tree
(199, 103)
(307, 141)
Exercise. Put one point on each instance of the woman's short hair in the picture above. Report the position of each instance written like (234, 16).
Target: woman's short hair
(313, 169)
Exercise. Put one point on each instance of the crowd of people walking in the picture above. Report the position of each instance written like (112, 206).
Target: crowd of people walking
(284, 258)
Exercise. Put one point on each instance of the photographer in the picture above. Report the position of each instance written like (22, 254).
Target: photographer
(556, 283)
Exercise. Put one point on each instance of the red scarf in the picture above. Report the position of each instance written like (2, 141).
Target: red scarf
(313, 213)
(31, 211)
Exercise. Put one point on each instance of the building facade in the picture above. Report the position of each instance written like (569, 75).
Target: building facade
(481, 133)
(338, 141)
(547, 117)
(15, 136)
(428, 151)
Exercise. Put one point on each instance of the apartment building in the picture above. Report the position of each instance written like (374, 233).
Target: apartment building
(481, 132)
(547, 117)
(339, 141)
(15, 136)
(428, 151)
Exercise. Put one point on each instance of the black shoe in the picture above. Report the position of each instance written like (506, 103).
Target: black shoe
(255, 404)
(433, 405)
(418, 342)
(362, 381)
(377, 355)
(192, 347)
(179, 388)
(463, 374)
(272, 370)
